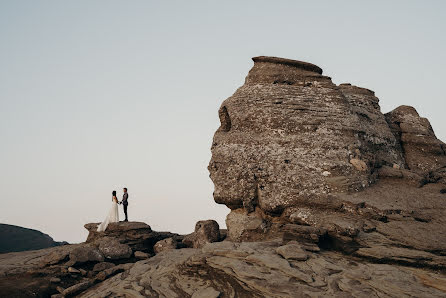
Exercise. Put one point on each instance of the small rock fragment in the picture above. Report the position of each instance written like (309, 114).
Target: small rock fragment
(165, 244)
(141, 255)
(55, 280)
(358, 164)
(73, 270)
(77, 288)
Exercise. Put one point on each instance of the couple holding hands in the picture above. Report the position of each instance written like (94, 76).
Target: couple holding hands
(113, 214)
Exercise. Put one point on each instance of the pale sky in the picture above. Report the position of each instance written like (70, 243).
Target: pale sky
(99, 95)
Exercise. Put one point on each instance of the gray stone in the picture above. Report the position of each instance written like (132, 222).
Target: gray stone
(206, 231)
(85, 253)
(165, 244)
(113, 249)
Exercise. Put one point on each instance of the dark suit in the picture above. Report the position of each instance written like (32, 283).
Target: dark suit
(125, 203)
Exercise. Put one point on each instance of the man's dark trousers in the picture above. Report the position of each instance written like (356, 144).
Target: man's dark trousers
(125, 202)
(125, 212)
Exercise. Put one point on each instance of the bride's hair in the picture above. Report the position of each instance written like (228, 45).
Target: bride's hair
(114, 193)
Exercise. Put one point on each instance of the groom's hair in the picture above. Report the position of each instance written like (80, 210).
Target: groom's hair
(125, 188)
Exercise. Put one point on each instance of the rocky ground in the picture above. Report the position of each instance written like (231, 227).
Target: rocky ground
(130, 260)
(267, 269)
(70, 269)
(328, 197)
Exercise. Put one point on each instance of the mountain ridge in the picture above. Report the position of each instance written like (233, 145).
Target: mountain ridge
(16, 238)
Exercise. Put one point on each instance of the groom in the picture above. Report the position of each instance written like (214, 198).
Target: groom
(125, 203)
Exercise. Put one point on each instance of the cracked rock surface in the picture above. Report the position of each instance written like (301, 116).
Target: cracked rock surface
(256, 269)
(301, 157)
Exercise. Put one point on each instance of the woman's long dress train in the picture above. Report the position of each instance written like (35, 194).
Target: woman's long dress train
(113, 216)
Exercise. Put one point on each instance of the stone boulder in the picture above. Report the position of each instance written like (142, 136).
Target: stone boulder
(57, 255)
(112, 249)
(142, 255)
(84, 254)
(206, 231)
(247, 226)
(165, 244)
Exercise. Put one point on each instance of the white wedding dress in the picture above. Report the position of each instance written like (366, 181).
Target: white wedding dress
(113, 216)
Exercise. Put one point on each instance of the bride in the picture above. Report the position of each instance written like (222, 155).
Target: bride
(113, 215)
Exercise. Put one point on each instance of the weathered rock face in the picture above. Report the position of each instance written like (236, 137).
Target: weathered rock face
(423, 152)
(300, 157)
(378, 145)
(290, 137)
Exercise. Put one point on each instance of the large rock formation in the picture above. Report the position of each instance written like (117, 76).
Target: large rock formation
(300, 157)
(290, 137)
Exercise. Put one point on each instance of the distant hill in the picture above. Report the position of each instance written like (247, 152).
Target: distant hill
(15, 238)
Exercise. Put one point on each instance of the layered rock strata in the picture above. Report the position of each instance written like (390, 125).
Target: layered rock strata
(297, 156)
(266, 269)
